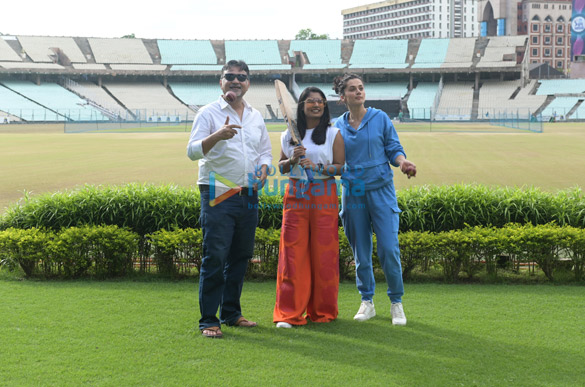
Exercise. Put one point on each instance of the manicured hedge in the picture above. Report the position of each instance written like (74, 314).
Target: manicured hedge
(146, 209)
(109, 251)
(101, 251)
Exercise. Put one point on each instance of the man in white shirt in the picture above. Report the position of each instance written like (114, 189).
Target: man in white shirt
(230, 140)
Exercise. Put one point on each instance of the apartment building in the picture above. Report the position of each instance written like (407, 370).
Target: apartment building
(405, 19)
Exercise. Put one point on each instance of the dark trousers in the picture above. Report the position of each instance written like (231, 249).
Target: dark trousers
(228, 230)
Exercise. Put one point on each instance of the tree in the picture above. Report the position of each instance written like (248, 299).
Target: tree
(131, 36)
(308, 34)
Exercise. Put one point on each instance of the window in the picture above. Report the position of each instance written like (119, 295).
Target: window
(560, 28)
(559, 40)
(547, 40)
(535, 40)
(535, 52)
(559, 52)
(560, 64)
(547, 52)
(535, 28)
(547, 28)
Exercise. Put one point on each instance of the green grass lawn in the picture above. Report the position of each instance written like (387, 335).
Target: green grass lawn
(143, 333)
(42, 159)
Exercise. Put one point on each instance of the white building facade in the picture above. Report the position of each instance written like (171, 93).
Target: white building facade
(405, 19)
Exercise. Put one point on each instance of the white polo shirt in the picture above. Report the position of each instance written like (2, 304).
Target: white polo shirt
(237, 157)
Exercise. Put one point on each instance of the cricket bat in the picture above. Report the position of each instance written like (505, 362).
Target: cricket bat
(287, 103)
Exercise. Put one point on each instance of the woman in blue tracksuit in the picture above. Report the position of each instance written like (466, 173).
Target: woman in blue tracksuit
(368, 199)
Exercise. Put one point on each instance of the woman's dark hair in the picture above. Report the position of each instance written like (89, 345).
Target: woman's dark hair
(340, 83)
(320, 133)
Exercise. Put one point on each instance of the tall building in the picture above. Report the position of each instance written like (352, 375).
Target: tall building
(546, 22)
(404, 19)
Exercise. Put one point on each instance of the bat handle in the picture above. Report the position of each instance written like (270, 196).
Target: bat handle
(309, 172)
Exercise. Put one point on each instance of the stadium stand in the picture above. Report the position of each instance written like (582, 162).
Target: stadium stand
(196, 93)
(56, 98)
(32, 66)
(421, 100)
(493, 94)
(501, 51)
(44, 49)
(258, 54)
(322, 54)
(131, 71)
(579, 113)
(7, 53)
(185, 52)
(149, 100)
(128, 67)
(214, 68)
(524, 104)
(326, 88)
(97, 96)
(459, 53)
(266, 67)
(119, 51)
(456, 101)
(561, 86)
(89, 66)
(381, 54)
(263, 97)
(431, 53)
(16, 105)
(560, 106)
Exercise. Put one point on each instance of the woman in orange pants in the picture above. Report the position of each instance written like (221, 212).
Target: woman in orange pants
(308, 262)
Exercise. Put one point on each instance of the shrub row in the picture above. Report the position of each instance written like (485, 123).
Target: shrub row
(146, 209)
(103, 251)
(109, 251)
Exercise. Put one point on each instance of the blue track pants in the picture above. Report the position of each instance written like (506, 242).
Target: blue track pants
(374, 210)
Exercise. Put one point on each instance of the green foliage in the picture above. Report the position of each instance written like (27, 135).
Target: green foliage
(540, 243)
(266, 248)
(26, 248)
(308, 34)
(103, 251)
(444, 208)
(176, 252)
(346, 260)
(573, 243)
(148, 208)
(416, 249)
(269, 211)
(140, 207)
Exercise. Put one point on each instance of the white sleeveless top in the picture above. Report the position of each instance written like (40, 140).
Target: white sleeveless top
(322, 154)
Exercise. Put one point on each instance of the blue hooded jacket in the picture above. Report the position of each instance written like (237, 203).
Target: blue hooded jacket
(369, 149)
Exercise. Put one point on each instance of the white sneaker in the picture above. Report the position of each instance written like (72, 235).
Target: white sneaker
(365, 312)
(398, 317)
(282, 324)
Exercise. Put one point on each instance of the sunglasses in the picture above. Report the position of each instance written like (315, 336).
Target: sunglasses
(315, 101)
(230, 77)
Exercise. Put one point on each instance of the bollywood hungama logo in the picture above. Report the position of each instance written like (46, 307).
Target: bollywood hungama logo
(221, 188)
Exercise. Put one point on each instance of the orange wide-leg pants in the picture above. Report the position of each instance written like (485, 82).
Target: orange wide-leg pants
(308, 260)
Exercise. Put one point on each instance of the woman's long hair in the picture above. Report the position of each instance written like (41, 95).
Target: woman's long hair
(320, 133)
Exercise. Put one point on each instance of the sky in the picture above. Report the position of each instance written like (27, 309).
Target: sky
(175, 19)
